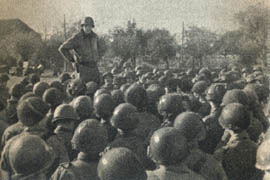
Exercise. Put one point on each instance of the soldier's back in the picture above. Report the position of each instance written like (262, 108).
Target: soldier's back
(239, 158)
(76, 170)
(173, 173)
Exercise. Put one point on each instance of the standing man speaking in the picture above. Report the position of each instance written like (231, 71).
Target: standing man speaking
(85, 49)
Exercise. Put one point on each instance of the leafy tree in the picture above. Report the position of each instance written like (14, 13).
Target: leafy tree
(200, 42)
(253, 24)
(161, 45)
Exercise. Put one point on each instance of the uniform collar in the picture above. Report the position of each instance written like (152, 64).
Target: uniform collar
(87, 157)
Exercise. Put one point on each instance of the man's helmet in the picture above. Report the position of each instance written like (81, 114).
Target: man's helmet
(53, 96)
(216, 92)
(190, 125)
(167, 146)
(104, 106)
(76, 88)
(39, 88)
(137, 96)
(88, 21)
(64, 112)
(205, 71)
(235, 96)
(125, 117)
(117, 96)
(90, 137)
(263, 156)
(234, 116)
(253, 99)
(200, 87)
(170, 104)
(17, 90)
(31, 110)
(58, 85)
(83, 105)
(154, 92)
(101, 91)
(64, 77)
(120, 163)
(29, 154)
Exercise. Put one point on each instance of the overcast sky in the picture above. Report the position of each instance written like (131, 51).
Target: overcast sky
(213, 14)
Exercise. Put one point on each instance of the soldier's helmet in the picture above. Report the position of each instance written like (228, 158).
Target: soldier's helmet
(137, 96)
(263, 156)
(125, 117)
(83, 105)
(57, 84)
(234, 96)
(64, 77)
(17, 90)
(190, 125)
(31, 110)
(53, 97)
(205, 71)
(120, 163)
(117, 96)
(200, 87)
(104, 106)
(101, 91)
(170, 105)
(216, 92)
(39, 88)
(34, 78)
(234, 116)
(76, 88)
(167, 146)
(154, 92)
(64, 112)
(253, 99)
(88, 21)
(26, 95)
(90, 137)
(29, 154)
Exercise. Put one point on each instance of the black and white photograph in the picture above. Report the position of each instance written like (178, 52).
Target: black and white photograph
(134, 89)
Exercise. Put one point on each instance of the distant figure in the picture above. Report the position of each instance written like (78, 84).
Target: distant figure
(84, 44)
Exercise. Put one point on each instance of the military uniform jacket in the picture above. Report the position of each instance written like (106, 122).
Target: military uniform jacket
(238, 157)
(85, 47)
(179, 172)
(81, 169)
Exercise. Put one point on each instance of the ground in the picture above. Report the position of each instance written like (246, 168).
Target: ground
(46, 77)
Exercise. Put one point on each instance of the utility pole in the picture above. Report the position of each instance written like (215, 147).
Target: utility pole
(65, 37)
(183, 39)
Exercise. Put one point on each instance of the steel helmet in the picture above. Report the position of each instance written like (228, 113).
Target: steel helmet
(190, 125)
(64, 112)
(137, 96)
(235, 96)
(125, 117)
(104, 106)
(53, 96)
(234, 116)
(39, 88)
(170, 104)
(167, 146)
(90, 137)
(83, 105)
(120, 163)
(29, 154)
(31, 110)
